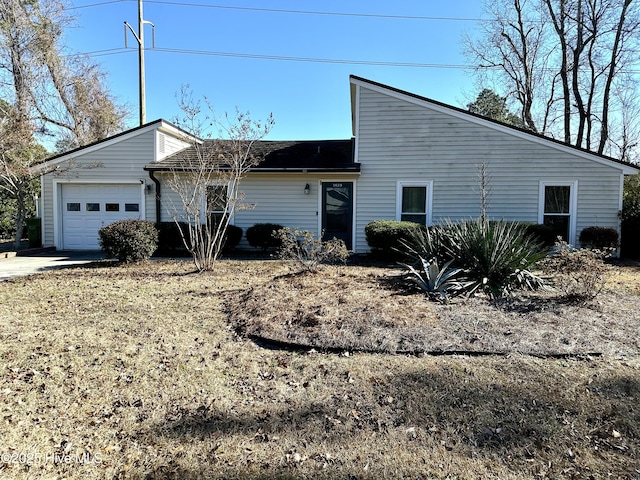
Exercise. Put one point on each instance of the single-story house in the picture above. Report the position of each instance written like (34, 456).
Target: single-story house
(410, 158)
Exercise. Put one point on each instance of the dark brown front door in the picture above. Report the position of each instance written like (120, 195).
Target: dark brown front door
(337, 211)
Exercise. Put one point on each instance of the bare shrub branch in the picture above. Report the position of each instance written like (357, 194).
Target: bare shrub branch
(206, 177)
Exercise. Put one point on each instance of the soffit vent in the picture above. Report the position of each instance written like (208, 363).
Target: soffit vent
(161, 140)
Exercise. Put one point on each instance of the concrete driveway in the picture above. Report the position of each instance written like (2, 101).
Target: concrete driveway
(27, 265)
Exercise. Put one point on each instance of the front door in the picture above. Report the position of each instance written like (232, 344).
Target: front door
(337, 211)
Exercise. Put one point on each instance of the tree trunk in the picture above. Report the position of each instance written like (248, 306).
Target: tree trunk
(559, 26)
(575, 74)
(615, 51)
(21, 214)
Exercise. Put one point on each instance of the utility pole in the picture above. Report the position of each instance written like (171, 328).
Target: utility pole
(140, 39)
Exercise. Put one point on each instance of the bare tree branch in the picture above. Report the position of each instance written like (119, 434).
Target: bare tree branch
(208, 174)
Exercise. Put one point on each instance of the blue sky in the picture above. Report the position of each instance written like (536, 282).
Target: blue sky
(309, 100)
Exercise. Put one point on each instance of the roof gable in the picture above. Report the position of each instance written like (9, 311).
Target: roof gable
(160, 124)
(465, 115)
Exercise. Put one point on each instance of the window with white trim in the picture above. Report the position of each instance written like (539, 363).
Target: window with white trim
(557, 208)
(414, 202)
(216, 199)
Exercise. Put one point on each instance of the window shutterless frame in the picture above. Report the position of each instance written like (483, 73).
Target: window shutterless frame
(215, 201)
(414, 201)
(558, 206)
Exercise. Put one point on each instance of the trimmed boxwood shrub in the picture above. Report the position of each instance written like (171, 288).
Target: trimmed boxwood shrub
(129, 240)
(630, 241)
(385, 236)
(599, 238)
(169, 240)
(541, 233)
(261, 235)
(232, 237)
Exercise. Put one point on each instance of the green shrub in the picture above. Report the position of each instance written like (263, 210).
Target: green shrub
(630, 240)
(169, 239)
(495, 256)
(387, 237)
(129, 240)
(261, 235)
(425, 243)
(308, 252)
(171, 244)
(599, 238)
(540, 233)
(232, 237)
(579, 274)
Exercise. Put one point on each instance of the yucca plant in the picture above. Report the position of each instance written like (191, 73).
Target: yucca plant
(424, 243)
(438, 283)
(495, 255)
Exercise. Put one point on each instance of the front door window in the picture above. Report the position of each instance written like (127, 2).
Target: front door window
(337, 211)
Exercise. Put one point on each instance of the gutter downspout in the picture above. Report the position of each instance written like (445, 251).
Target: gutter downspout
(152, 176)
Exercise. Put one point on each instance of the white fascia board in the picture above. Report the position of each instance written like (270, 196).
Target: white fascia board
(169, 129)
(452, 111)
(120, 137)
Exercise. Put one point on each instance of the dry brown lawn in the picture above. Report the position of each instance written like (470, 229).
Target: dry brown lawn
(139, 372)
(377, 310)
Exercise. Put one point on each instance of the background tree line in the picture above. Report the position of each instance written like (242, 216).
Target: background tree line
(46, 96)
(569, 67)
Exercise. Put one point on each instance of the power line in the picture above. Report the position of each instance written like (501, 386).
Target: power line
(101, 53)
(118, 51)
(307, 59)
(289, 11)
(313, 12)
(209, 53)
(96, 4)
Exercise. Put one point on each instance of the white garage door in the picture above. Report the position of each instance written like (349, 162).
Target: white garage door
(86, 208)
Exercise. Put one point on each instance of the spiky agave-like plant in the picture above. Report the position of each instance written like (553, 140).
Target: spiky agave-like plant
(496, 256)
(438, 283)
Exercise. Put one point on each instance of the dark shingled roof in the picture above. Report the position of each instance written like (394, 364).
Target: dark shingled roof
(287, 156)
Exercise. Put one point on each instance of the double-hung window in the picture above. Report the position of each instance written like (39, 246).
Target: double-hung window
(557, 208)
(216, 201)
(414, 202)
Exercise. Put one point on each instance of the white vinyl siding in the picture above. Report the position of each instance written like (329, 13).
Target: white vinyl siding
(168, 145)
(119, 162)
(280, 198)
(402, 139)
(270, 198)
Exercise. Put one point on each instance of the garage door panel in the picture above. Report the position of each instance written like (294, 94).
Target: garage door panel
(86, 208)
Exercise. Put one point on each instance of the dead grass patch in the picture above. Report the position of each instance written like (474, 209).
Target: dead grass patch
(374, 309)
(134, 372)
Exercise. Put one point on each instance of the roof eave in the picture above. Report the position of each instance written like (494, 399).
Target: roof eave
(350, 169)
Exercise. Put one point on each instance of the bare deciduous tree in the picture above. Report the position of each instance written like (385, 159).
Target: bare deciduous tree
(18, 152)
(44, 92)
(207, 176)
(512, 45)
(563, 62)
